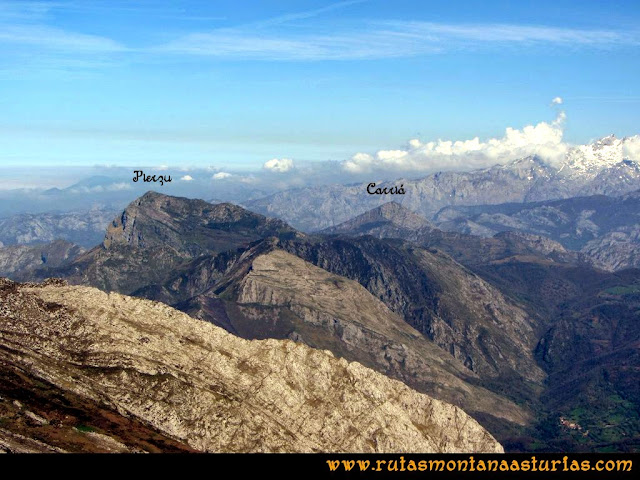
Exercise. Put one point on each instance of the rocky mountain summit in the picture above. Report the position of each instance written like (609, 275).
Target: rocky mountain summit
(157, 235)
(588, 161)
(180, 383)
(382, 221)
(189, 227)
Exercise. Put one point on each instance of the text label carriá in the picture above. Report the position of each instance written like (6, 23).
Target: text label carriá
(384, 191)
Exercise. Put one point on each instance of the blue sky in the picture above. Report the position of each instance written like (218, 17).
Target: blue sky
(234, 84)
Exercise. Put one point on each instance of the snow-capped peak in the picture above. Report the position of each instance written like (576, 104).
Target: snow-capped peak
(589, 160)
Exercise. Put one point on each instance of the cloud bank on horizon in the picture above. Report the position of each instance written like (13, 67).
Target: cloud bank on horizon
(544, 140)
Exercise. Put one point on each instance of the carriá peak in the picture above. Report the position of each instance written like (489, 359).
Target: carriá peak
(384, 217)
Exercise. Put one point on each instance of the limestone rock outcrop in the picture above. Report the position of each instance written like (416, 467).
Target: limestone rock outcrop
(196, 384)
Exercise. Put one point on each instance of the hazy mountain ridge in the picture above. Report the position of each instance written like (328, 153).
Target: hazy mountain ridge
(85, 228)
(467, 249)
(190, 381)
(598, 168)
(604, 228)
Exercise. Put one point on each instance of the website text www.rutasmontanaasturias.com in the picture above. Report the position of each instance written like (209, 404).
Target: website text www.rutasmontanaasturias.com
(472, 464)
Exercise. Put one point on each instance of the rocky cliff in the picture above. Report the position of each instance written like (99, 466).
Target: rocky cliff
(158, 235)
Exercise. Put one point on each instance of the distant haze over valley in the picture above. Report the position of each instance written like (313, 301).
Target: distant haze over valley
(565, 171)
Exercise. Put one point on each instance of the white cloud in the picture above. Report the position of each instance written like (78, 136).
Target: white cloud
(279, 165)
(557, 101)
(543, 139)
(162, 167)
(251, 180)
(221, 175)
(187, 178)
(631, 148)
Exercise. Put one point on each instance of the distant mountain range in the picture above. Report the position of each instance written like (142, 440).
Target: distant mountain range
(391, 221)
(513, 328)
(607, 229)
(598, 168)
(82, 227)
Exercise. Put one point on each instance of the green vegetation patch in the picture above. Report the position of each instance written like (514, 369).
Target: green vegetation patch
(85, 428)
(622, 290)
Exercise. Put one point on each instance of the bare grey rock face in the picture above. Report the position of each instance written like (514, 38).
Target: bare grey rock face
(190, 227)
(18, 260)
(195, 383)
(379, 220)
(616, 250)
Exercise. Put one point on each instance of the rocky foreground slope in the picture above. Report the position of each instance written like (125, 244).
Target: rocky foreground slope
(185, 384)
(273, 294)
